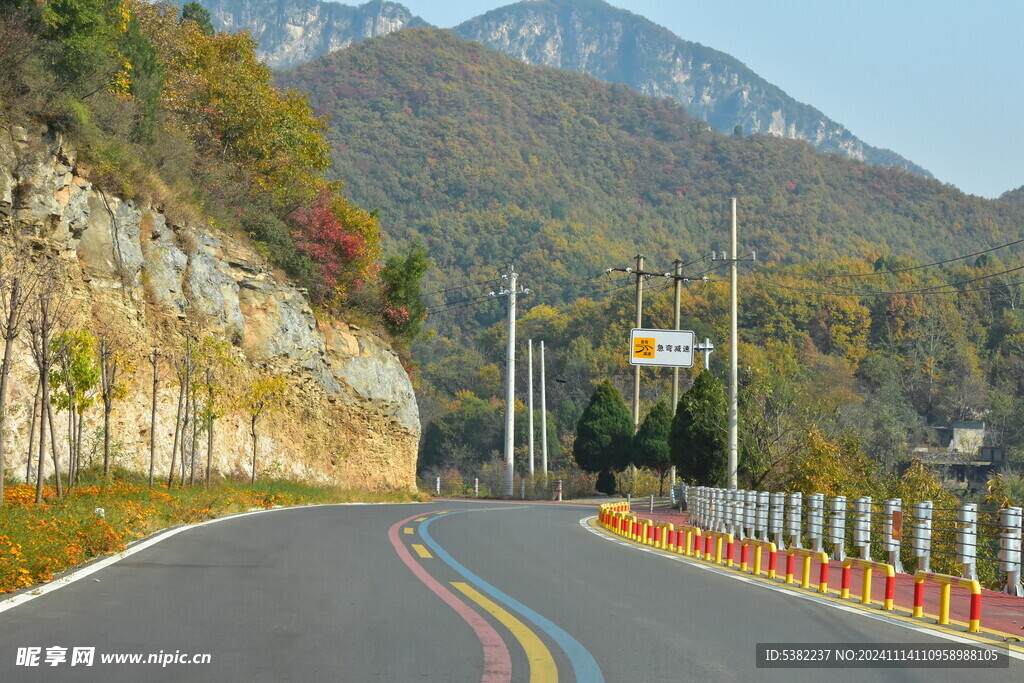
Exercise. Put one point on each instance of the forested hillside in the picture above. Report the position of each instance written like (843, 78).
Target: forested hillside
(854, 340)
(486, 158)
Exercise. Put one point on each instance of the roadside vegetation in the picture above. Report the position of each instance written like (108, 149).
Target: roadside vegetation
(37, 542)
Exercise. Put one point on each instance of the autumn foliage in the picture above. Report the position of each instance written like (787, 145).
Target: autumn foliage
(340, 238)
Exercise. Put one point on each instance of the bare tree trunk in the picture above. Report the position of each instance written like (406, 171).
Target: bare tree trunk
(195, 436)
(185, 425)
(42, 436)
(78, 455)
(53, 445)
(32, 435)
(106, 437)
(177, 428)
(5, 371)
(152, 419)
(209, 434)
(252, 430)
(71, 445)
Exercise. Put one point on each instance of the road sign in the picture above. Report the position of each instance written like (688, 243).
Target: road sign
(661, 348)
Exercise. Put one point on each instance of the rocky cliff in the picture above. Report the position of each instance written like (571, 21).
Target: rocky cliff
(291, 32)
(614, 45)
(588, 36)
(349, 416)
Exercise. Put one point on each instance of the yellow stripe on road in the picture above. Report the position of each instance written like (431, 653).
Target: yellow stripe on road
(407, 530)
(421, 519)
(421, 551)
(542, 664)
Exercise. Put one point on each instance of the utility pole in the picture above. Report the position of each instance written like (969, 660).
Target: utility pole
(734, 412)
(705, 347)
(510, 379)
(677, 299)
(529, 363)
(636, 368)
(543, 417)
(641, 274)
(733, 348)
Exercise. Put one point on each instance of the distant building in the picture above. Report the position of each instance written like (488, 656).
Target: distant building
(968, 455)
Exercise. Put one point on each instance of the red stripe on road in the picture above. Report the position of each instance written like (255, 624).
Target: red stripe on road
(497, 661)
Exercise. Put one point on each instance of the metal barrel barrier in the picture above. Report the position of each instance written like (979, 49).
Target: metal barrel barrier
(921, 533)
(815, 511)
(967, 539)
(761, 515)
(794, 515)
(775, 517)
(892, 531)
(862, 526)
(1010, 549)
(837, 527)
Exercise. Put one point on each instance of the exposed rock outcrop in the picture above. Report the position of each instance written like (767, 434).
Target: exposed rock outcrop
(349, 416)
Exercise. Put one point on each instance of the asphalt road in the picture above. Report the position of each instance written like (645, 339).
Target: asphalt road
(482, 592)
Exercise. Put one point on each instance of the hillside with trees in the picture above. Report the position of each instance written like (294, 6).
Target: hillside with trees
(882, 305)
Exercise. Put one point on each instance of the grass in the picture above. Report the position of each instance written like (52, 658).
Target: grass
(37, 542)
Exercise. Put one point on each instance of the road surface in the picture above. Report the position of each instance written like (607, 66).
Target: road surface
(447, 591)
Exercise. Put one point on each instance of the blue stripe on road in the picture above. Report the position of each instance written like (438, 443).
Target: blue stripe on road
(584, 666)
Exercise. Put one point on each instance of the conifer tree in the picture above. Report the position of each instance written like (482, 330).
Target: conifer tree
(603, 436)
(650, 445)
(699, 439)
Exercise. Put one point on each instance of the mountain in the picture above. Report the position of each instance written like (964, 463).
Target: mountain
(588, 36)
(294, 31)
(488, 159)
(591, 36)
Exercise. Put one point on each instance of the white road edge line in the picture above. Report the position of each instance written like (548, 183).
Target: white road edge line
(139, 546)
(585, 523)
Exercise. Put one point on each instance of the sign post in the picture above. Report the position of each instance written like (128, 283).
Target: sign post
(661, 348)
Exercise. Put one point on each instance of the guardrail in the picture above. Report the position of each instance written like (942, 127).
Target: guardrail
(946, 582)
(983, 545)
(736, 531)
(868, 566)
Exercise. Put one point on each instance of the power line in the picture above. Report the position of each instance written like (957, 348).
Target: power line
(910, 268)
(935, 289)
(458, 287)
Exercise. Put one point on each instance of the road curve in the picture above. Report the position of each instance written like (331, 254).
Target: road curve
(448, 591)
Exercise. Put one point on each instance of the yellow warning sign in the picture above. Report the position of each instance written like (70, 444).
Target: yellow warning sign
(643, 347)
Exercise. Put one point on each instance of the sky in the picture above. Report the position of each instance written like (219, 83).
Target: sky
(938, 81)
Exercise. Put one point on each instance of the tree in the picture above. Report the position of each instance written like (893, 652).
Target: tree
(114, 361)
(603, 435)
(49, 313)
(261, 397)
(401, 277)
(193, 11)
(17, 285)
(464, 437)
(341, 239)
(650, 445)
(76, 373)
(698, 438)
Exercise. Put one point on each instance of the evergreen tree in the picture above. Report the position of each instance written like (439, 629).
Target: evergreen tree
(698, 439)
(193, 11)
(603, 436)
(650, 445)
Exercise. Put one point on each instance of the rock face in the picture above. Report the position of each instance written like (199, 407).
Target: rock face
(349, 416)
(588, 36)
(614, 45)
(291, 32)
